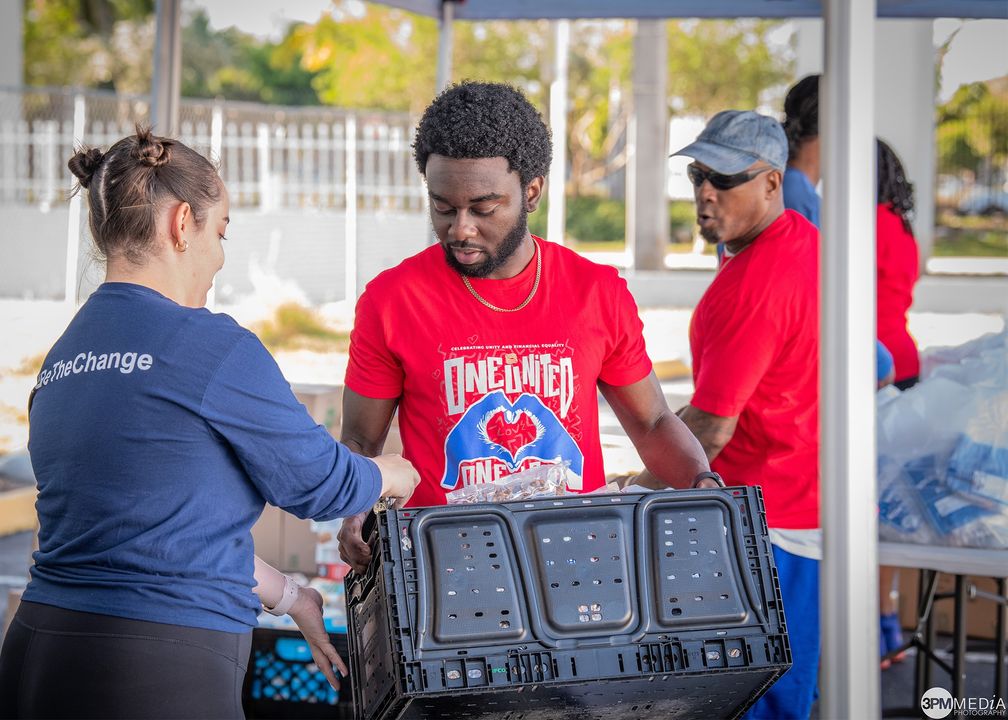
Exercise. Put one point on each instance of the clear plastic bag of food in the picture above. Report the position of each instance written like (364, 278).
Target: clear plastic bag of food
(943, 450)
(542, 480)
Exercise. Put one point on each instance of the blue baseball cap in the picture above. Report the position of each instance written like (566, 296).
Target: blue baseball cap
(735, 139)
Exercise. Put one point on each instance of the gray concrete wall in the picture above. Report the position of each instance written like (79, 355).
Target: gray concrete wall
(33, 255)
(933, 293)
(304, 248)
(307, 248)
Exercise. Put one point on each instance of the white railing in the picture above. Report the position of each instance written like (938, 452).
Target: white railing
(270, 157)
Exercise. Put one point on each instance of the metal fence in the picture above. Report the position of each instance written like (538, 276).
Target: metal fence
(270, 157)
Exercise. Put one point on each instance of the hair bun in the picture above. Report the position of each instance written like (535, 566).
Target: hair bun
(151, 150)
(85, 163)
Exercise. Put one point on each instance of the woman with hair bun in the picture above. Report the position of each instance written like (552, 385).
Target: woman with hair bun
(158, 431)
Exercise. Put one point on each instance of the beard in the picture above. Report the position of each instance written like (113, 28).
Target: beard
(710, 235)
(509, 245)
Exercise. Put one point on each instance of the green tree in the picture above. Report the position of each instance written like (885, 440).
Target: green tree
(109, 43)
(92, 43)
(384, 59)
(712, 65)
(972, 130)
(235, 65)
(387, 59)
(718, 64)
(513, 52)
(598, 102)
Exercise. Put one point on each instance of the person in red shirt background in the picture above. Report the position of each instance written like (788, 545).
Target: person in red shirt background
(897, 264)
(897, 270)
(493, 344)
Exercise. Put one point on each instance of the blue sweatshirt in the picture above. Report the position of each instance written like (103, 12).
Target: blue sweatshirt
(157, 434)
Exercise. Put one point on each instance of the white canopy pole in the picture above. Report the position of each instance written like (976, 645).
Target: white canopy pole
(167, 78)
(558, 125)
(350, 219)
(446, 40)
(647, 227)
(849, 572)
(75, 212)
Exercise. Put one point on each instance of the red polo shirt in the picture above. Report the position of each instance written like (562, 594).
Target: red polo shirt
(755, 343)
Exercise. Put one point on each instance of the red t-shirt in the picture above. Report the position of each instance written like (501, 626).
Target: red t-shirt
(755, 342)
(484, 394)
(897, 263)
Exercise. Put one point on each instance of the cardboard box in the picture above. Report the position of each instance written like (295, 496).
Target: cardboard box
(284, 541)
(324, 404)
(981, 613)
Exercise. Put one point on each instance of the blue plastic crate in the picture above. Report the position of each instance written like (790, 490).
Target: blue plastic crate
(283, 680)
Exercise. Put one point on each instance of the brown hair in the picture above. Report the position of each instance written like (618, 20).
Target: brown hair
(131, 183)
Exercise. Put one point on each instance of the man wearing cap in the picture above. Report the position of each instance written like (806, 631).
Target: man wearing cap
(754, 338)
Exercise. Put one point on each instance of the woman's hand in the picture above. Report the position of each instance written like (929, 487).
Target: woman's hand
(307, 613)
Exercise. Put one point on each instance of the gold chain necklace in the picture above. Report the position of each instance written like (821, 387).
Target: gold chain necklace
(535, 286)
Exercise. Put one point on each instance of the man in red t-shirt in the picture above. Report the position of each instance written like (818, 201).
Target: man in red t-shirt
(754, 339)
(493, 343)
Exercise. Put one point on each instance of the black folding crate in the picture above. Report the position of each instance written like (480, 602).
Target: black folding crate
(283, 681)
(659, 604)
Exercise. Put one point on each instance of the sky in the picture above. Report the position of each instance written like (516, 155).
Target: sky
(978, 52)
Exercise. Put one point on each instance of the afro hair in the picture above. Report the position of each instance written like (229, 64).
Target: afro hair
(485, 120)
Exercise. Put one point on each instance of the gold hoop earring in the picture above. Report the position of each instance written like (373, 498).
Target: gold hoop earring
(182, 246)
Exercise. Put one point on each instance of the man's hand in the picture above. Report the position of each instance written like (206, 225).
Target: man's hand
(708, 483)
(307, 613)
(644, 479)
(399, 477)
(353, 548)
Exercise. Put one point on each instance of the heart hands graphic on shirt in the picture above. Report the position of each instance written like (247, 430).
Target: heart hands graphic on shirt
(511, 431)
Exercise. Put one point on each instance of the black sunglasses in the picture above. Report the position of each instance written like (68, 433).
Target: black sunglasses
(719, 181)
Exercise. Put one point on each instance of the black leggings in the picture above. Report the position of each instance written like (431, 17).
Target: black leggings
(58, 663)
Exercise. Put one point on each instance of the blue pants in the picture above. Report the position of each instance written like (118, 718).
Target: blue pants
(793, 694)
